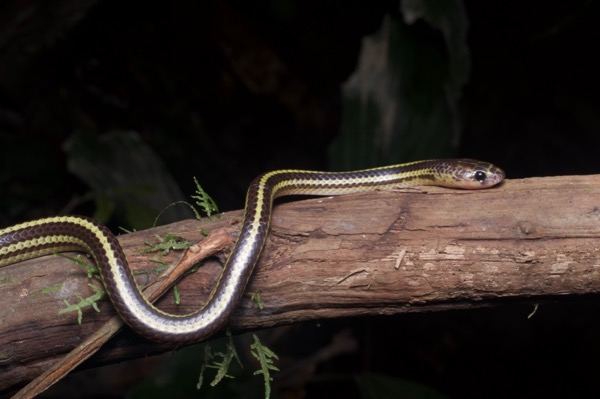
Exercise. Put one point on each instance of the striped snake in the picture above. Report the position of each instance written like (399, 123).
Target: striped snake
(73, 233)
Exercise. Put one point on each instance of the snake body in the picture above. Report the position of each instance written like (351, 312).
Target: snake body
(74, 233)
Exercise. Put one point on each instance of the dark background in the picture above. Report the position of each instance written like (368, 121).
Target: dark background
(226, 90)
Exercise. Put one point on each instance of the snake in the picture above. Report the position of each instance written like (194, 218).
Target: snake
(51, 235)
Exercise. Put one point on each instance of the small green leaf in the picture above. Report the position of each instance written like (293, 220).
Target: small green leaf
(204, 201)
(166, 244)
(265, 358)
(84, 302)
(256, 298)
(221, 366)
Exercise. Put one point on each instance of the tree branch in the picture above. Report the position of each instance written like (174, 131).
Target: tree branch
(367, 254)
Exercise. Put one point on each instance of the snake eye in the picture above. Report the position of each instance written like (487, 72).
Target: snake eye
(480, 176)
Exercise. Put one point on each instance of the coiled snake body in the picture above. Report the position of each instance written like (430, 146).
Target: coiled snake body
(73, 233)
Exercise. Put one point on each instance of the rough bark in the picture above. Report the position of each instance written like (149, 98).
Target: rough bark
(367, 254)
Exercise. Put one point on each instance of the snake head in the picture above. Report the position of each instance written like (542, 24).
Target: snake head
(472, 174)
